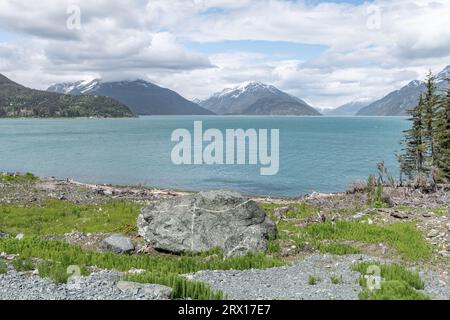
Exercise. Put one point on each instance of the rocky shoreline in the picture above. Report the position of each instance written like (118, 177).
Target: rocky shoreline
(429, 212)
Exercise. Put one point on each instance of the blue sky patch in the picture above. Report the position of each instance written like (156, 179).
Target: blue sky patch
(276, 49)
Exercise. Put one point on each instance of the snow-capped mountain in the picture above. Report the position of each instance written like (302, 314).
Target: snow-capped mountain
(257, 98)
(142, 97)
(19, 101)
(397, 103)
(74, 88)
(349, 109)
(443, 75)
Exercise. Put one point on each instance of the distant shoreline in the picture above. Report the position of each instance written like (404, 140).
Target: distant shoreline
(187, 115)
(119, 188)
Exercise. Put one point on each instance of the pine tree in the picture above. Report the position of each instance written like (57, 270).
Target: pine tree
(412, 161)
(442, 138)
(430, 104)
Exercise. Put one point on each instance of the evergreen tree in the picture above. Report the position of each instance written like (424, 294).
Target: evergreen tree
(429, 105)
(412, 161)
(442, 138)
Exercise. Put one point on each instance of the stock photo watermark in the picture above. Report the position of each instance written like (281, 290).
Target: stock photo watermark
(228, 147)
(374, 17)
(73, 21)
(373, 278)
(73, 281)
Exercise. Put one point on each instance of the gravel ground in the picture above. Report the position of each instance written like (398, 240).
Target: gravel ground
(291, 283)
(97, 286)
(283, 283)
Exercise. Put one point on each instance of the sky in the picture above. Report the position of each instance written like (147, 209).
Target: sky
(325, 52)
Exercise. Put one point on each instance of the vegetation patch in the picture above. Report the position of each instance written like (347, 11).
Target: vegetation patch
(313, 280)
(18, 178)
(59, 217)
(23, 264)
(404, 237)
(59, 272)
(326, 237)
(3, 267)
(440, 211)
(393, 290)
(336, 279)
(397, 283)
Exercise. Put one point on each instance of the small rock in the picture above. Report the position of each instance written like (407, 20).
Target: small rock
(399, 215)
(118, 244)
(136, 271)
(444, 253)
(287, 252)
(20, 236)
(427, 214)
(157, 291)
(3, 235)
(280, 212)
(433, 233)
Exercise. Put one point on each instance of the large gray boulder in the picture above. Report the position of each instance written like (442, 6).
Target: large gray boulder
(118, 244)
(205, 221)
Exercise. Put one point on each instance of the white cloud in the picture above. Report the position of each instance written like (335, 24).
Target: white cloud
(141, 38)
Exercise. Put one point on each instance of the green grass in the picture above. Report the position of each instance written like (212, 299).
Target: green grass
(328, 237)
(59, 217)
(313, 280)
(25, 178)
(23, 264)
(397, 283)
(161, 268)
(404, 237)
(393, 290)
(58, 272)
(440, 211)
(3, 267)
(392, 272)
(336, 280)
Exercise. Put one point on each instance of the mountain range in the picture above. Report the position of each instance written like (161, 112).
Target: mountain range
(256, 98)
(19, 101)
(142, 97)
(98, 98)
(398, 102)
(349, 109)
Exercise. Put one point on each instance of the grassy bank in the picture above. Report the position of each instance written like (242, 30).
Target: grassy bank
(331, 237)
(301, 230)
(59, 217)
